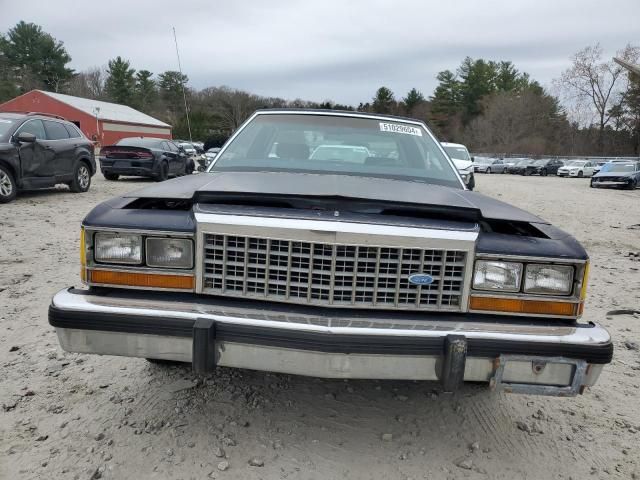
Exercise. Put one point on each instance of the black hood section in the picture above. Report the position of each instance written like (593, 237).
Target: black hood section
(225, 187)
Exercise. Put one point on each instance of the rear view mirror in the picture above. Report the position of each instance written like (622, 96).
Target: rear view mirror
(26, 137)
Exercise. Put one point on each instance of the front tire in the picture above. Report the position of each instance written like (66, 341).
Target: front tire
(8, 186)
(632, 184)
(81, 178)
(591, 184)
(580, 174)
(489, 170)
(472, 183)
(544, 172)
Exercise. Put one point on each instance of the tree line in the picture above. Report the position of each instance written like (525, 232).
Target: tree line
(489, 105)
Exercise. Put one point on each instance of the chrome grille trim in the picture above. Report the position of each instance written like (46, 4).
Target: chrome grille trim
(276, 232)
(351, 276)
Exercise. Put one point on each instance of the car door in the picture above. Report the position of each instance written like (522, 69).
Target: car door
(499, 166)
(179, 158)
(170, 156)
(33, 156)
(63, 148)
(588, 169)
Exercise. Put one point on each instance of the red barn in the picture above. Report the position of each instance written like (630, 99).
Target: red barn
(103, 122)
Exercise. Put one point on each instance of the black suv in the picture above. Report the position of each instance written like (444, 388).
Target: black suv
(40, 151)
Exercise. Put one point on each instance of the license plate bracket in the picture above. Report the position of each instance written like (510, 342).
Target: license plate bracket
(574, 388)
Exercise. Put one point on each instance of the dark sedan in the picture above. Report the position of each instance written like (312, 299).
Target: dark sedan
(385, 268)
(617, 174)
(544, 167)
(156, 158)
(520, 166)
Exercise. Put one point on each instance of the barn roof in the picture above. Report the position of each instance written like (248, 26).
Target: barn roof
(108, 111)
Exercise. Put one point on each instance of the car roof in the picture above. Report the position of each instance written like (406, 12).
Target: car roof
(38, 115)
(341, 113)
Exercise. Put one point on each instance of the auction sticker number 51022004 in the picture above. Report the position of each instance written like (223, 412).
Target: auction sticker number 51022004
(397, 128)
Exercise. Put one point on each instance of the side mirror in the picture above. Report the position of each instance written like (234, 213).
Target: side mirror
(473, 159)
(26, 137)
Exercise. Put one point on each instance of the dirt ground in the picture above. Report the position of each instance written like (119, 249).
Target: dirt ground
(69, 416)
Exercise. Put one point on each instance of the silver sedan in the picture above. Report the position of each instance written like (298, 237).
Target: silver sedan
(488, 165)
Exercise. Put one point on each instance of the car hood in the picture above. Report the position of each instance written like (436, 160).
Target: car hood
(285, 184)
(570, 168)
(462, 164)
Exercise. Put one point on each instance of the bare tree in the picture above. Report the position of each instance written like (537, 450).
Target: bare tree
(88, 84)
(516, 123)
(597, 83)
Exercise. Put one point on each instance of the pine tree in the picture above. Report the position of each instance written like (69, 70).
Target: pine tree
(145, 90)
(412, 100)
(384, 101)
(120, 83)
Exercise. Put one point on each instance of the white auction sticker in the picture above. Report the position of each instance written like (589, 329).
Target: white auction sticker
(397, 128)
(2, 120)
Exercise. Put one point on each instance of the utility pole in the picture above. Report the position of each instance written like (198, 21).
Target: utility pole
(184, 93)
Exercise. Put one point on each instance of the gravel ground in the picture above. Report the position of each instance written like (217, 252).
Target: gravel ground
(79, 416)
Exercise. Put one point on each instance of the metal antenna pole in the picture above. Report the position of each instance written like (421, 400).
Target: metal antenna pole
(184, 93)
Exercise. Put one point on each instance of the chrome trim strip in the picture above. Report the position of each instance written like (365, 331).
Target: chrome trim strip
(530, 259)
(159, 233)
(322, 231)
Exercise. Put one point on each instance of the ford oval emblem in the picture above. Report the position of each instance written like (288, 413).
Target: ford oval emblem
(421, 279)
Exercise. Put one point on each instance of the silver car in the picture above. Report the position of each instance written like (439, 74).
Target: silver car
(488, 165)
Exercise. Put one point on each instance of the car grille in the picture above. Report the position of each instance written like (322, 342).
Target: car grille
(328, 274)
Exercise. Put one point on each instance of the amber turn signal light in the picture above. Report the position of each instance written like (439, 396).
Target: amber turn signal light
(150, 280)
(515, 305)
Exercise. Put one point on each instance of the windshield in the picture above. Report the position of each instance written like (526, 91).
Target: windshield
(619, 167)
(340, 145)
(540, 163)
(459, 153)
(576, 163)
(526, 161)
(6, 125)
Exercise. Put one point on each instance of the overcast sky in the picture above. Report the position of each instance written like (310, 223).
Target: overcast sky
(330, 49)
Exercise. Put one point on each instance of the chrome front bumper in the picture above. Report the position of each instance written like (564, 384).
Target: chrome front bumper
(544, 356)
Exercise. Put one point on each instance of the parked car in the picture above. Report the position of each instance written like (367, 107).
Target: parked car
(384, 269)
(41, 151)
(207, 158)
(488, 165)
(155, 158)
(188, 148)
(543, 167)
(341, 153)
(519, 166)
(618, 174)
(577, 168)
(598, 165)
(463, 162)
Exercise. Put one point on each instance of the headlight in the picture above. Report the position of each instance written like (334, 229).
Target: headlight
(548, 279)
(170, 252)
(118, 248)
(501, 276)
